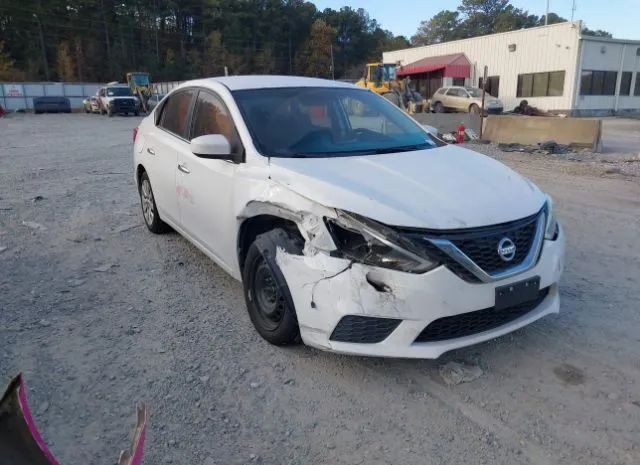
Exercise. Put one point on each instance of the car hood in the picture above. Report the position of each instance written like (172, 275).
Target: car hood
(442, 188)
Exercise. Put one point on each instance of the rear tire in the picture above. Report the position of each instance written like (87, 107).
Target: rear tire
(149, 208)
(393, 98)
(266, 293)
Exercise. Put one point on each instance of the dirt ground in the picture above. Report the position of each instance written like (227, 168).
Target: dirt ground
(100, 314)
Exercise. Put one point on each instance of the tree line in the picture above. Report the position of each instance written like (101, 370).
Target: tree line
(98, 40)
(479, 17)
(101, 40)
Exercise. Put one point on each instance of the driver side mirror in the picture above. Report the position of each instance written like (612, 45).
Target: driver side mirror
(215, 146)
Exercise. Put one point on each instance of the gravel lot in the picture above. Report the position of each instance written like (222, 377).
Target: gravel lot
(99, 314)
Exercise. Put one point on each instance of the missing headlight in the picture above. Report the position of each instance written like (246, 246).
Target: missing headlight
(362, 243)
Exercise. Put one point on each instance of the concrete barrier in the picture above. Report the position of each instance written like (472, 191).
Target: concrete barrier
(531, 130)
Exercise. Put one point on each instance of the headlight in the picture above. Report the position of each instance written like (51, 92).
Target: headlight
(368, 242)
(552, 228)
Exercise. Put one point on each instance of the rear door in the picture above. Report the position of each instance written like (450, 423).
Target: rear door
(163, 142)
(457, 99)
(204, 185)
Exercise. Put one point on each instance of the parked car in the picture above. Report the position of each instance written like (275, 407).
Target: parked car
(464, 99)
(117, 98)
(51, 105)
(90, 105)
(154, 100)
(357, 234)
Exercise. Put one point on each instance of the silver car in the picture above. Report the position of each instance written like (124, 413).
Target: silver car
(464, 99)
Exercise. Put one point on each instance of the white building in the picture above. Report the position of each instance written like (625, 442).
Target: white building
(553, 67)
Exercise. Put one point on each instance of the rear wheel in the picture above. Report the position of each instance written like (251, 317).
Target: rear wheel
(149, 208)
(393, 98)
(266, 292)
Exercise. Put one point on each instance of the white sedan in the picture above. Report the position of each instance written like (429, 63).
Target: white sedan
(356, 232)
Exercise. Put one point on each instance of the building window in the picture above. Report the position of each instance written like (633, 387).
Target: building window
(598, 82)
(549, 84)
(493, 85)
(636, 89)
(458, 81)
(625, 83)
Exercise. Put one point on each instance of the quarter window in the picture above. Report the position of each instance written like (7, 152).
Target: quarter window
(548, 84)
(212, 117)
(636, 89)
(176, 111)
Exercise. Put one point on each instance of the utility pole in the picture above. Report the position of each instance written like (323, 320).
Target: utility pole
(546, 16)
(155, 20)
(573, 9)
(42, 47)
(333, 74)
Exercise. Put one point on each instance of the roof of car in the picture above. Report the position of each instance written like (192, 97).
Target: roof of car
(269, 81)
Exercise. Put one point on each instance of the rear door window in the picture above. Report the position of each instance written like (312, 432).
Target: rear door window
(175, 113)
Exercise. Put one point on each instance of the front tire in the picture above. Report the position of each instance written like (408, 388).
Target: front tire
(149, 208)
(474, 109)
(438, 107)
(267, 295)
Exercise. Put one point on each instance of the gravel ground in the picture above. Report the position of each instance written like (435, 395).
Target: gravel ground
(100, 314)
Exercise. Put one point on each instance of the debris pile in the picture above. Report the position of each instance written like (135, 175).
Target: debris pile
(544, 148)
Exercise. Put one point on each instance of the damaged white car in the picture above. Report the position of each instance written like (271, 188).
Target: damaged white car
(350, 227)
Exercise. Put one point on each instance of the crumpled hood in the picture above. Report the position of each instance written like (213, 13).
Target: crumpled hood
(442, 188)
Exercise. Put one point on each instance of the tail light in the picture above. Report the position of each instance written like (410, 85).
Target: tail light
(135, 134)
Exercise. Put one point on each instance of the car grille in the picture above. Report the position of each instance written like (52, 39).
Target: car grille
(363, 329)
(480, 245)
(467, 324)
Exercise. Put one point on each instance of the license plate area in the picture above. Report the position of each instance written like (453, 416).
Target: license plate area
(517, 293)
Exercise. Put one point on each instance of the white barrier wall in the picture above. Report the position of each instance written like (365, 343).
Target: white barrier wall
(19, 95)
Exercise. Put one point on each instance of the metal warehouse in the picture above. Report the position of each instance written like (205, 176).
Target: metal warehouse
(554, 68)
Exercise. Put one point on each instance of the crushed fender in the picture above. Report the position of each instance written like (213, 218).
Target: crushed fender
(22, 444)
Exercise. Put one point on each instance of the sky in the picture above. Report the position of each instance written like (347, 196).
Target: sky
(402, 17)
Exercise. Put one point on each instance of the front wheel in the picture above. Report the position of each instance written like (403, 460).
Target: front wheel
(474, 109)
(438, 107)
(267, 295)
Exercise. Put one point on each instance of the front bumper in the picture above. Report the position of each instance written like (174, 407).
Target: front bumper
(325, 289)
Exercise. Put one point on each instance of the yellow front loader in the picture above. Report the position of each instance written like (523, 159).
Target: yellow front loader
(381, 78)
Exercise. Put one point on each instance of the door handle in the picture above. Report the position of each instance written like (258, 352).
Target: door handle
(183, 168)
(150, 151)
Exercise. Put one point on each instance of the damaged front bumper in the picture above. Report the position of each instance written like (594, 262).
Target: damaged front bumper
(325, 289)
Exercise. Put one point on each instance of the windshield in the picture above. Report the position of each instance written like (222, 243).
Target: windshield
(327, 122)
(389, 72)
(140, 79)
(118, 91)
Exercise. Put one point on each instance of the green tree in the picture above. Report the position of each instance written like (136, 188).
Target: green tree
(8, 72)
(315, 57)
(65, 66)
(443, 27)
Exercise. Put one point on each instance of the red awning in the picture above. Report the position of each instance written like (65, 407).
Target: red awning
(455, 66)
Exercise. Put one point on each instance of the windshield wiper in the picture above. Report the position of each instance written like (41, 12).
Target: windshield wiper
(403, 148)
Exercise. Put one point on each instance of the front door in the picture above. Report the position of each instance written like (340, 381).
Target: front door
(205, 186)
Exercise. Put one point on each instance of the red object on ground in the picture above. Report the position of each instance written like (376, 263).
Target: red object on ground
(460, 135)
(22, 444)
(2, 111)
